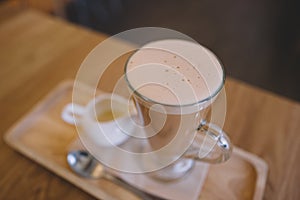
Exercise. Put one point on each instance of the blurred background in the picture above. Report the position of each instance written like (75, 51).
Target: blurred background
(258, 41)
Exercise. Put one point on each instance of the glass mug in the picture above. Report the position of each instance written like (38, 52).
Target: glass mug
(173, 84)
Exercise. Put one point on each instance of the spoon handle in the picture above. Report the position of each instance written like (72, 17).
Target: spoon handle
(128, 186)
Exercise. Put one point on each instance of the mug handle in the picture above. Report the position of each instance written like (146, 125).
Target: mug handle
(215, 147)
(70, 112)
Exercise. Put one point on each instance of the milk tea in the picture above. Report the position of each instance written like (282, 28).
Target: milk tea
(179, 76)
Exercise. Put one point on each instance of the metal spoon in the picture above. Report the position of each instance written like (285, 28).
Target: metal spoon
(84, 164)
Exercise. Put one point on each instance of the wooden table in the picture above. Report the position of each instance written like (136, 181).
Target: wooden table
(38, 51)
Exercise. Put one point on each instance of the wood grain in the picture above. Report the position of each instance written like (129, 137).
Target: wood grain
(38, 51)
(267, 125)
(45, 138)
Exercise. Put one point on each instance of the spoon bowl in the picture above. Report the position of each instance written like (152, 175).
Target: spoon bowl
(84, 164)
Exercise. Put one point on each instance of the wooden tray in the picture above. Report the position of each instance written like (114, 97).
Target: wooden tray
(42, 136)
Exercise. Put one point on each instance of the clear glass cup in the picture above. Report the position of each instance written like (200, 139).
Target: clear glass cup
(180, 133)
